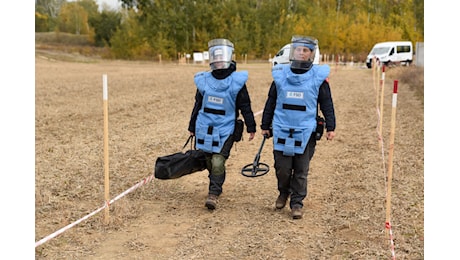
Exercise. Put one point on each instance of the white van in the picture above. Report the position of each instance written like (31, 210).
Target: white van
(282, 56)
(391, 52)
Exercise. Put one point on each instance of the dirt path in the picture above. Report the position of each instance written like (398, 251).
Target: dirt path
(149, 108)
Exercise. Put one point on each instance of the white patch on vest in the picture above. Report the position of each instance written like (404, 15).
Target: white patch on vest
(291, 94)
(216, 100)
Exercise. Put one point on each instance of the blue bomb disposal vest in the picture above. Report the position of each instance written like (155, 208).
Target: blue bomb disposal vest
(216, 118)
(296, 107)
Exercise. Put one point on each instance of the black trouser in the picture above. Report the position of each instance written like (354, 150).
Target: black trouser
(216, 167)
(292, 172)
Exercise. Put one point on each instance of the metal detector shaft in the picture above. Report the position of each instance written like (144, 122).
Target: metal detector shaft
(257, 158)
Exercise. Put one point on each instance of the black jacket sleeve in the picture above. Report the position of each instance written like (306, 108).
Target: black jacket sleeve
(243, 103)
(326, 105)
(196, 109)
(269, 108)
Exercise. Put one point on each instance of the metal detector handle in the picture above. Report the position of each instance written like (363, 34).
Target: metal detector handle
(257, 158)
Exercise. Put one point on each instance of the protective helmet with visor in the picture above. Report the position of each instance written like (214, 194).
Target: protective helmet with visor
(220, 53)
(299, 56)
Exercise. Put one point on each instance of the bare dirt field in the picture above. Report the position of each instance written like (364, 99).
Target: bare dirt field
(149, 105)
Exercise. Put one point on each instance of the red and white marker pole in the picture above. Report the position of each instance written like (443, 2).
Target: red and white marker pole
(390, 165)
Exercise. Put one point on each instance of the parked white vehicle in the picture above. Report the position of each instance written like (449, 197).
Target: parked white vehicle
(391, 52)
(282, 56)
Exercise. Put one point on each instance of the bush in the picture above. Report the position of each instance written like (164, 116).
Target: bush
(59, 38)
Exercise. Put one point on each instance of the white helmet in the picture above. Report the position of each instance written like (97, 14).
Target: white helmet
(298, 57)
(220, 53)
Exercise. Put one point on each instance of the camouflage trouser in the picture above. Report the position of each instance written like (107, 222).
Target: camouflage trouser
(216, 167)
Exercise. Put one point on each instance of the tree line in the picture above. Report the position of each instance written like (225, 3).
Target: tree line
(145, 29)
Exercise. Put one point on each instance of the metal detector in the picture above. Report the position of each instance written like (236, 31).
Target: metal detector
(256, 168)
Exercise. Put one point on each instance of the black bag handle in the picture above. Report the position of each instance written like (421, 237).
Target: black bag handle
(190, 138)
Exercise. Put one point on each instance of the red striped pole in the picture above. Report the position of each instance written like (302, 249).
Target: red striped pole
(390, 163)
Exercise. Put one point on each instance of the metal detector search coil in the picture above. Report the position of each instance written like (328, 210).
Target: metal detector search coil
(256, 168)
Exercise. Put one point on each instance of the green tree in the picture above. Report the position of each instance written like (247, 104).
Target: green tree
(50, 8)
(261, 27)
(73, 18)
(105, 25)
(47, 11)
(128, 42)
(41, 22)
(418, 16)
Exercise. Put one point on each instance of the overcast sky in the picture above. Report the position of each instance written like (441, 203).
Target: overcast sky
(114, 4)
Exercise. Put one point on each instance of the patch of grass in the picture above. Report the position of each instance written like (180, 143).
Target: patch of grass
(59, 38)
(412, 76)
(64, 46)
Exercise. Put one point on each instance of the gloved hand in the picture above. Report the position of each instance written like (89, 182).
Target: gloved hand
(267, 133)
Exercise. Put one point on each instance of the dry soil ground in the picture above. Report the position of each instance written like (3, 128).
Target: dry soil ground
(149, 106)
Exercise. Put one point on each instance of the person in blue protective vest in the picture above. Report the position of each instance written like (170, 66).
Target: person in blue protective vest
(290, 116)
(221, 95)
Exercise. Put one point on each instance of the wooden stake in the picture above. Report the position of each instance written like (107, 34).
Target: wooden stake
(390, 154)
(376, 80)
(106, 146)
(382, 88)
